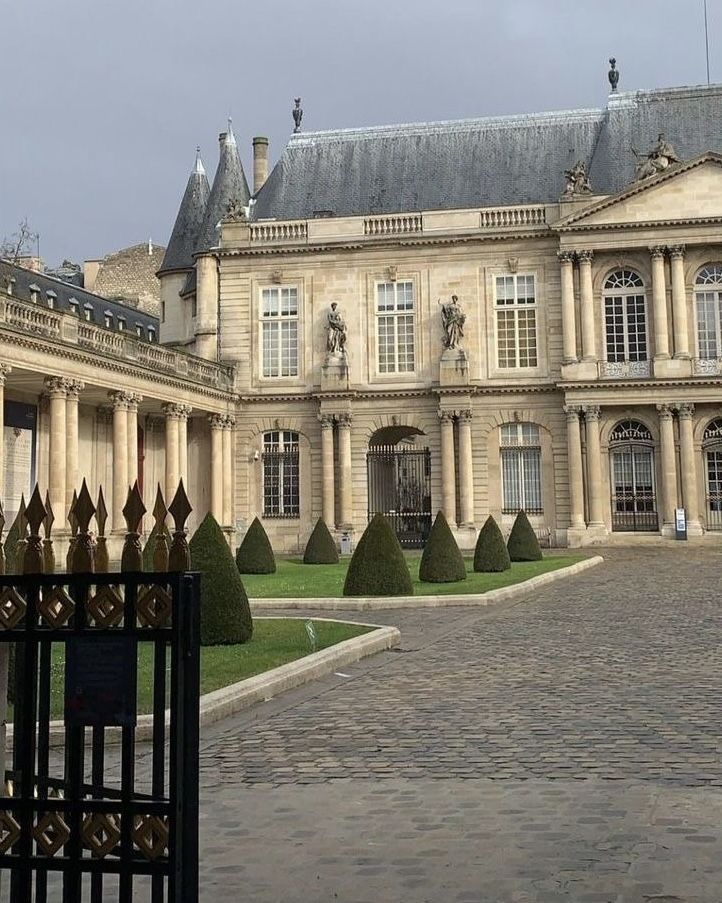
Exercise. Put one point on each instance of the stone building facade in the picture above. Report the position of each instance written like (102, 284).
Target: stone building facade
(586, 383)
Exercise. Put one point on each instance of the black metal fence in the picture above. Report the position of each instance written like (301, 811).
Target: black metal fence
(77, 827)
(399, 487)
(634, 512)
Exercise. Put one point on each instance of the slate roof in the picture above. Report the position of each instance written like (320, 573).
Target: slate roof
(62, 292)
(229, 184)
(495, 161)
(184, 237)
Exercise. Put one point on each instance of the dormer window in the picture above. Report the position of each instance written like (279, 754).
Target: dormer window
(10, 285)
(121, 324)
(34, 292)
(51, 298)
(88, 311)
(139, 330)
(108, 319)
(74, 306)
(151, 334)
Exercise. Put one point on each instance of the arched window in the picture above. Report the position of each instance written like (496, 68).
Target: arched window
(625, 317)
(521, 468)
(280, 474)
(712, 442)
(708, 306)
(631, 454)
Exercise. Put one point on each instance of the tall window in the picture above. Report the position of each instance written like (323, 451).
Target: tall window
(625, 317)
(395, 327)
(279, 316)
(708, 304)
(634, 503)
(521, 468)
(280, 474)
(712, 442)
(516, 321)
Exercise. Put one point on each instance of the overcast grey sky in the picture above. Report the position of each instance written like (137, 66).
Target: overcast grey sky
(102, 102)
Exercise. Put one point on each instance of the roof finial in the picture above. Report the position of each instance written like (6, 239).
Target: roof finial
(297, 114)
(230, 137)
(613, 75)
(199, 169)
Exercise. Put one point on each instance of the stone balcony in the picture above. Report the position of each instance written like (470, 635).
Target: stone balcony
(31, 319)
(707, 367)
(625, 370)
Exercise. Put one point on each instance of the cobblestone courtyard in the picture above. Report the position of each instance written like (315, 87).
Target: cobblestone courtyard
(562, 748)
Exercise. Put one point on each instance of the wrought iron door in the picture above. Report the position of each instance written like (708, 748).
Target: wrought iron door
(634, 501)
(714, 489)
(399, 487)
(98, 824)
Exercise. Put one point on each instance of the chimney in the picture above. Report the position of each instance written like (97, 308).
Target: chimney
(260, 162)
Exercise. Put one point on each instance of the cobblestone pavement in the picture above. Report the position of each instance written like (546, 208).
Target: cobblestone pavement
(565, 747)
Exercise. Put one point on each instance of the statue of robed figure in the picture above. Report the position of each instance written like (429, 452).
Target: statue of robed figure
(452, 319)
(335, 331)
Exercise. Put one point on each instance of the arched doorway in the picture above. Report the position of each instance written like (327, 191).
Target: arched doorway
(398, 466)
(634, 500)
(712, 443)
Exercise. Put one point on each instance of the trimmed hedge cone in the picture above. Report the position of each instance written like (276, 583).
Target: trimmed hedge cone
(255, 555)
(225, 612)
(522, 543)
(491, 554)
(442, 561)
(320, 548)
(378, 566)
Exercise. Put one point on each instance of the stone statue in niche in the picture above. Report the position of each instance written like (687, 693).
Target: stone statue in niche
(335, 331)
(452, 319)
(577, 181)
(657, 160)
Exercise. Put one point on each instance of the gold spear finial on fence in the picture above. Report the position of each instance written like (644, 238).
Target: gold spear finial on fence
(48, 552)
(33, 552)
(160, 552)
(102, 562)
(82, 560)
(132, 557)
(73, 521)
(179, 558)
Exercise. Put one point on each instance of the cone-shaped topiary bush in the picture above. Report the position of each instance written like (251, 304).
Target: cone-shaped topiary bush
(320, 548)
(522, 543)
(491, 553)
(255, 555)
(149, 548)
(378, 566)
(225, 613)
(442, 561)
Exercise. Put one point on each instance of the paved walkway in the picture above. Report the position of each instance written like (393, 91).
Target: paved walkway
(563, 748)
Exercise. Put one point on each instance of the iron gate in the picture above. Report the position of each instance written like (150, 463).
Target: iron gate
(399, 487)
(634, 501)
(88, 823)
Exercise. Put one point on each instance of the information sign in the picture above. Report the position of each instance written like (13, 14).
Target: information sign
(101, 681)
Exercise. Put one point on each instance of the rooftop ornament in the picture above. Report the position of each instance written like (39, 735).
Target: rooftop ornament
(578, 183)
(613, 75)
(297, 114)
(661, 157)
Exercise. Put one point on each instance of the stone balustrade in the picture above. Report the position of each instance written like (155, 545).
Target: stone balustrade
(276, 232)
(393, 225)
(512, 217)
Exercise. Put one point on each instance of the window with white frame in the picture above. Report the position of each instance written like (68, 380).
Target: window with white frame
(280, 474)
(625, 317)
(515, 301)
(279, 331)
(395, 327)
(708, 306)
(521, 468)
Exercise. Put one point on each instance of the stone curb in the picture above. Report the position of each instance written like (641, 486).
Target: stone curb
(376, 603)
(242, 695)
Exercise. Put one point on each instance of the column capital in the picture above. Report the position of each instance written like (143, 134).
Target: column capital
(229, 421)
(592, 412)
(666, 411)
(685, 411)
(327, 421)
(56, 386)
(465, 415)
(121, 400)
(676, 252)
(216, 420)
(104, 413)
(175, 411)
(585, 255)
(656, 252)
(74, 387)
(572, 411)
(4, 370)
(565, 257)
(344, 419)
(446, 416)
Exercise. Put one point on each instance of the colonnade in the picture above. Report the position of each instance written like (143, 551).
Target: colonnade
(588, 305)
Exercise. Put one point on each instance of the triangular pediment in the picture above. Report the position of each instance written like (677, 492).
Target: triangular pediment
(690, 191)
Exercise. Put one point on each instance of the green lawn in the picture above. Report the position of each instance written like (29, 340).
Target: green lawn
(296, 580)
(275, 642)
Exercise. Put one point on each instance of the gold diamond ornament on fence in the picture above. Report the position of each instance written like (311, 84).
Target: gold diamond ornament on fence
(12, 608)
(101, 833)
(106, 607)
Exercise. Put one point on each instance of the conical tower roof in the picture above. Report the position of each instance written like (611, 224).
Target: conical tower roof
(229, 185)
(183, 240)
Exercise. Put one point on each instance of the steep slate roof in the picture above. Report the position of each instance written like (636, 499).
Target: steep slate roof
(183, 239)
(229, 184)
(494, 161)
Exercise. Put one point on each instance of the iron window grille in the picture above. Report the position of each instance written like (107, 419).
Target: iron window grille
(281, 483)
(521, 469)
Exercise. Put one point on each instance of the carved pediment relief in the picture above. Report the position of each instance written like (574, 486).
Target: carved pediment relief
(691, 191)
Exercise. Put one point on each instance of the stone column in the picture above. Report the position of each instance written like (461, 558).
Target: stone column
(4, 370)
(448, 480)
(576, 478)
(328, 500)
(659, 304)
(679, 303)
(586, 301)
(594, 466)
(74, 388)
(133, 401)
(688, 466)
(120, 402)
(346, 470)
(569, 324)
(216, 422)
(668, 468)
(184, 411)
(228, 446)
(466, 470)
(57, 390)
(206, 325)
(172, 450)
